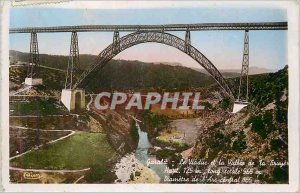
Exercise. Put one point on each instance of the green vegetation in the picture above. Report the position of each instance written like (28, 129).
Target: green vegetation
(164, 153)
(123, 75)
(218, 124)
(265, 91)
(261, 124)
(240, 144)
(263, 88)
(82, 150)
(36, 107)
(154, 120)
(276, 144)
(219, 139)
(179, 147)
(134, 132)
(207, 105)
(54, 79)
(136, 75)
(225, 103)
(281, 113)
(54, 61)
(280, 174)
(169, 155)
(258, 126)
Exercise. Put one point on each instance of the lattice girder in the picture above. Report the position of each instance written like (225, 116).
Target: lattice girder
(159, 37)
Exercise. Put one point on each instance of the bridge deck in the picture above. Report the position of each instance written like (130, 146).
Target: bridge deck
(167, 27)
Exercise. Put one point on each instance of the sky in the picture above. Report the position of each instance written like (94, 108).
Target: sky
(268, 49)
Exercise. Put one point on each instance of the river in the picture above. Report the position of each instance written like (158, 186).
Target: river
(142, 154)
(137, 162)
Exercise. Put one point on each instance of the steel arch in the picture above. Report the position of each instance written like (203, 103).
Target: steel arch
(159, 37)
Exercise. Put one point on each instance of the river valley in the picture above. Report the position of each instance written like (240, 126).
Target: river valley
(135, 167)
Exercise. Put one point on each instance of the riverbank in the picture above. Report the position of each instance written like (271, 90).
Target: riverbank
(131, 170)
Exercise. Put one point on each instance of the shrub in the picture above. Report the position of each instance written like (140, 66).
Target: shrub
(258, 126)
(131, 177)
(154, 120)
(276, 144)
(240, 144)
(96, 173)
(218, 140)
(218, 124)
(207, 105)
(268, 121)
(280, 174)
(226, 103)
(164, 153)
(134, 132)
(249, 121)
(261, 124)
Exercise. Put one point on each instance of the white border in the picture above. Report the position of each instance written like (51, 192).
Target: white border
(293, 121)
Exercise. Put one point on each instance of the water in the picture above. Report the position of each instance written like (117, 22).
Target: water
(142, 155)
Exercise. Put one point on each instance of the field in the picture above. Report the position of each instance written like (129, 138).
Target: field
(36, 107)
(82, 150)
(22, 140)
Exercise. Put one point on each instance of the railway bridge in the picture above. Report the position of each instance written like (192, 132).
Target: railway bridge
(73, 94)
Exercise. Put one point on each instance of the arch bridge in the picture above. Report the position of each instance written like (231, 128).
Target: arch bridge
(142, 34)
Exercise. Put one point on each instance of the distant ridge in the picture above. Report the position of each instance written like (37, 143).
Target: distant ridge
(122, 74)
(61, 61)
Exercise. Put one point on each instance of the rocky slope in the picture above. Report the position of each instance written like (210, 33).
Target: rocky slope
(258, 133)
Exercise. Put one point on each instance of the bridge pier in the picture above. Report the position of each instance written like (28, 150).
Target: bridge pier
(237, 106)
(116, 42)
(242, 100)
(188, 41)
(33, 81)
(73, 99)
(33, 67)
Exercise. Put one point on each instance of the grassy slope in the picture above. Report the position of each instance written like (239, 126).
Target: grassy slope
(81, 150)
(36, 107)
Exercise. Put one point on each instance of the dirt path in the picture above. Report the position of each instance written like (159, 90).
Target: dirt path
(50, 142)
(42, 170)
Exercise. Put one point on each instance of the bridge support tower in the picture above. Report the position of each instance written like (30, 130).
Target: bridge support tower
(33, 66)
(116, 42)
(73, 99)
(242, 100)
(187, 42)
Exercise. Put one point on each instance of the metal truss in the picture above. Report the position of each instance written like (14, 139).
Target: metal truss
(116, 42)
(159, 37)
(73, 63)
(243, 88)
(166, 27)
(187, 41)
(33, 56)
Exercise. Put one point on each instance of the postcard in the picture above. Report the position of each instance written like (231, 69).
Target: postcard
(149, 96)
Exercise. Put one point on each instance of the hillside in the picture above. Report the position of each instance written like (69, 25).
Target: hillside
(231, 73)
(54, 61)
(116, 75)
(263, 88)
(258, 132)
(135, 75)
